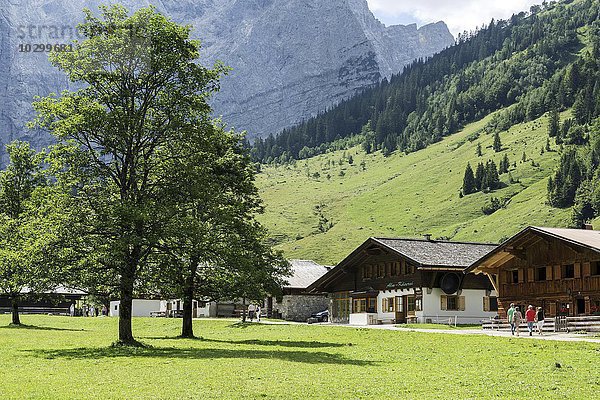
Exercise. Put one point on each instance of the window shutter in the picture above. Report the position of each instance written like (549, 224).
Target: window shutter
(530, 273)
(521, 278)
(556, 274)
(443, 303)
(548, 273)
(577, 270)
(461, 303)
(587, 270)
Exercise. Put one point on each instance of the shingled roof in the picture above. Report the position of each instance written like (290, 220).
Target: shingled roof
(424, 254)
(434, 253)
(583, 237)
(305, 272)
(589, 239)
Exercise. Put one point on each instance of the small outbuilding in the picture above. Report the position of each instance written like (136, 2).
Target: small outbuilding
(297, 304)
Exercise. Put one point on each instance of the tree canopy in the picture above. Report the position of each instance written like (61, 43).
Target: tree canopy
(138, 151)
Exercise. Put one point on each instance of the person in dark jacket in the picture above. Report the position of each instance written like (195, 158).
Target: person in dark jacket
(539, 317)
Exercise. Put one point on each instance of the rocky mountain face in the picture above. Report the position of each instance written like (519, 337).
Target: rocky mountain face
(290, 58)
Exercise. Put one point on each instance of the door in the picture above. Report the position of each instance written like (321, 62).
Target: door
(580, 306)
(400, 312)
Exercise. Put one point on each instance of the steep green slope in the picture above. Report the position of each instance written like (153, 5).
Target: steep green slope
(407, 195)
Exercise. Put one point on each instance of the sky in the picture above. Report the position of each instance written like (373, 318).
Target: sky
(459, 15)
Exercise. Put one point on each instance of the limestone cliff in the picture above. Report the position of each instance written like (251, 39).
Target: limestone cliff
(290, 58)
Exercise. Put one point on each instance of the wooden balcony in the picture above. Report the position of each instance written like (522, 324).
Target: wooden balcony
(555, 287)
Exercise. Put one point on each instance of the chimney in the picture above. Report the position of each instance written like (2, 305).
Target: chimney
(588, 227)
(427, 236)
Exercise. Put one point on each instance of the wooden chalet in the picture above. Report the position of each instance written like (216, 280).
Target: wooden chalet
(408, 280)
(557, 269)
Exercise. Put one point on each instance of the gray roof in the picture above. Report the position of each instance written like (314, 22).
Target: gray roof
(434, 253)
(586, 238)
(305, 272)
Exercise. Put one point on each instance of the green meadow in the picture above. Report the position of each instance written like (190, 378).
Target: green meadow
(408, 195)
(65, 358)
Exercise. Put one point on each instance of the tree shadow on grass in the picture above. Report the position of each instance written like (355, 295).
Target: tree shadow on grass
(257, 342)
(243, 325)
(197, 354)
(39, 328)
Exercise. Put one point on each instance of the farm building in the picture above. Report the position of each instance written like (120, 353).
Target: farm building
(56, 301)
(408, 280)
(557, 269)
(174, 308)
(297, 304)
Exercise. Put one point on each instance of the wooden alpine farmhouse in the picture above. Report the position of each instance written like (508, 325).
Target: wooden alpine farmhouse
(408, 280)
(557, 269)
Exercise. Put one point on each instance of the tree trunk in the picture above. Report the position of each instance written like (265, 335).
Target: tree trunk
(187, 329)
(125, 306)
(15, 311)
(244, 309)
(125, 309)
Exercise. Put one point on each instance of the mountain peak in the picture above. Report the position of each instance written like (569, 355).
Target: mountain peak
(290, 59)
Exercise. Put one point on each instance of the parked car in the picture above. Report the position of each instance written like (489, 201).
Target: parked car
(322, 316)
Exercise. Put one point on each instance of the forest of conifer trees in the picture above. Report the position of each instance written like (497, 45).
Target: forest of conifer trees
(545, 61)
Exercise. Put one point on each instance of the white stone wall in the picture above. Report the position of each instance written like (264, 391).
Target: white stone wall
(363, 319)
(473, 313)
(431, 308)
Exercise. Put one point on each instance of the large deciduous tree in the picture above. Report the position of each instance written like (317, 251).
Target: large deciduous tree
(143, 93)
(24, 237)
(213, 246)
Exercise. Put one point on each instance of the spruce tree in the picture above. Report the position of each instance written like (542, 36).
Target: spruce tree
(479, 175)
(491, 180)
(504, 164)
(497, 143)
(554, 123)
(469, 185)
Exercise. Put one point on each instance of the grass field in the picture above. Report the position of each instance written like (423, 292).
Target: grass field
(63, 358)
(408, 195)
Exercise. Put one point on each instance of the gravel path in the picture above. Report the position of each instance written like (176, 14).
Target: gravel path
(563, 337)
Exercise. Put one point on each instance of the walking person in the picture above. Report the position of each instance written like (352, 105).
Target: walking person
(251, 310)
(517, 318)
(72, 310)
(530, 318)
(258, 313)
(539, 316)
(509, 315)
